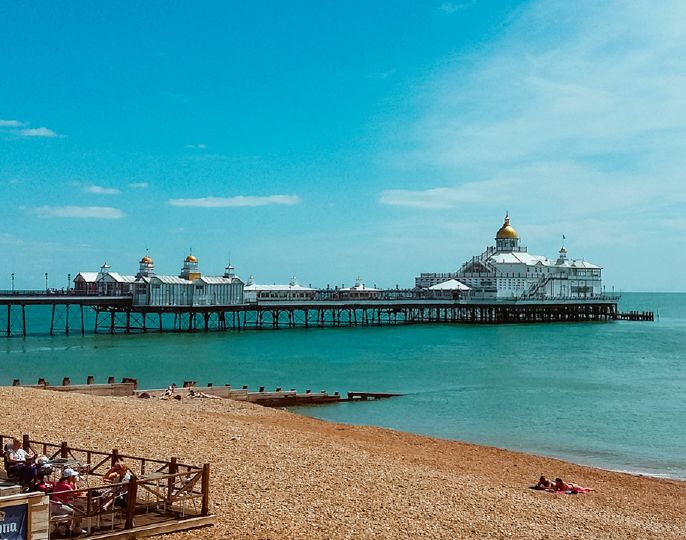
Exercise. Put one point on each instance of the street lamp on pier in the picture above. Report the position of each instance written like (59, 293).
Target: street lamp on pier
(12, 281)
(46, 281)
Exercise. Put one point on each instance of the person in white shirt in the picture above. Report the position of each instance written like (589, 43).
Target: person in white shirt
(20, 462)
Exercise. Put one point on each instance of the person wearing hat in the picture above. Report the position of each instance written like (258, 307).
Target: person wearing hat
(62, 501)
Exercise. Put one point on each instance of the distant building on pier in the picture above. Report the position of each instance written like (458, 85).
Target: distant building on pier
(508, 271)
(189, 288)
(254, 292)
(359, 291)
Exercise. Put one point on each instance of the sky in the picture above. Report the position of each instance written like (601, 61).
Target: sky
(330, 140)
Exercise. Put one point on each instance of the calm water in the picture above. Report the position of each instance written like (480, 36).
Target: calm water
(604, 394)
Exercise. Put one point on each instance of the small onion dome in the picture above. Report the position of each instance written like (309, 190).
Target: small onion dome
(563, 250)
(146, 260)
(191, 259)
(506, 231)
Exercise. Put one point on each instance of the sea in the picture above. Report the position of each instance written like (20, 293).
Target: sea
(605, 394)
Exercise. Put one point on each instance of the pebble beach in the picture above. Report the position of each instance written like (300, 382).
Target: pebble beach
(275, 474)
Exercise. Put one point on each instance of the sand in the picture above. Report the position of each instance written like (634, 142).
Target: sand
(289, 476)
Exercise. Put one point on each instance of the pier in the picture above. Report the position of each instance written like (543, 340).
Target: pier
(118, 314)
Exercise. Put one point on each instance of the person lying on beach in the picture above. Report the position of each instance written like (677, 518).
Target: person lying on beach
(196, 394)
(559, 485)
(543, 483)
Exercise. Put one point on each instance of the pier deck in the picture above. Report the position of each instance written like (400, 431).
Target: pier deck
(119, 315)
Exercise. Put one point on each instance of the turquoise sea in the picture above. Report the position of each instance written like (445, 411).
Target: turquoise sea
(610, 394)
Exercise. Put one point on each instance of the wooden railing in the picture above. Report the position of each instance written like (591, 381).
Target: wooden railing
(159, 490)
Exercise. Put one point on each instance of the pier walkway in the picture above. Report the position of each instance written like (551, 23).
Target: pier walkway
(117, 314)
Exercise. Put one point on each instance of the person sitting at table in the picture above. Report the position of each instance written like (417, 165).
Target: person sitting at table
(63, 501)
(20, 462)
(119, 473)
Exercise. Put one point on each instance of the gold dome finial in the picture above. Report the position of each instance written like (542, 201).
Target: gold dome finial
(506, 231)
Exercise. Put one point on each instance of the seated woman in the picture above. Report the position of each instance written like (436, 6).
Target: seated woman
(20, 462)
(119, 473)
(63, 501)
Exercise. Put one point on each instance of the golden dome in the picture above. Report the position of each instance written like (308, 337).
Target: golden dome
(506, 231)
(191, 259)
(146, 260)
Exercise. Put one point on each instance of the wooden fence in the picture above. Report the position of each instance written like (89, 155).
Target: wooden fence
(164, 493)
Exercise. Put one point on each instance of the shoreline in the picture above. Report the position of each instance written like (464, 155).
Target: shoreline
(532, 452)
(278, 474)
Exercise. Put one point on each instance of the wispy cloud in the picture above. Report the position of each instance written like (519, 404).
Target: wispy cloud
(577, 120)
(38, 132)
(449, 197)
(240, 200)
(18, 127)
(197, 146)
(139, 185)
(100, 190)
(10, 240)
(11, 124)
(85, 212)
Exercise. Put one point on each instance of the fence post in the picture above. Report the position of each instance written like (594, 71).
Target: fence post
(205, 489)
(115, 456)
(25, 442)
(64, 450)
(131, 502)
(173, 469)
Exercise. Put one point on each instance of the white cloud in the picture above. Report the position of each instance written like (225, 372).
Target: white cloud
(449, 197)
(197, 146)
(240, 200)
(11, 124)
(89, 212)
(38, 132)
(580, 106)
(99, 190)
(139, 185)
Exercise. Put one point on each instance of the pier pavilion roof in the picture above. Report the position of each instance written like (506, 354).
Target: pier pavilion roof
(275, 287)
(88, 277)
(450, 285)
(218, 280)
(171, 280)
(523, 257)
(119, 278)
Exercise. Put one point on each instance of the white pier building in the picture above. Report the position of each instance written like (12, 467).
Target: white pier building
(508, 271)
(189, 288)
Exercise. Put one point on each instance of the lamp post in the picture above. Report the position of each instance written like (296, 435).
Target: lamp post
(12, 281)
(68, 282)
(46, 281)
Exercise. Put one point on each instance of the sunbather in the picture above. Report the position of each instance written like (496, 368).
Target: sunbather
(573, 488)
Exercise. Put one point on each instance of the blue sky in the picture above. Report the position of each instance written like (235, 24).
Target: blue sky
(329, 140)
